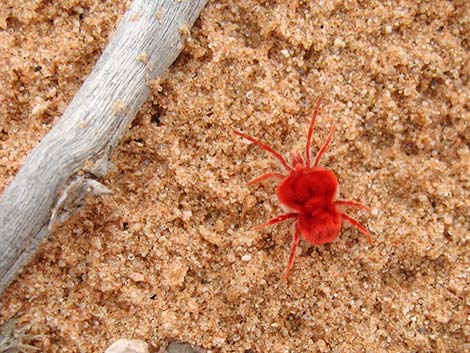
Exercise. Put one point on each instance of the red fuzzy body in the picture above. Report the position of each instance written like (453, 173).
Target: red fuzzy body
(310, 193)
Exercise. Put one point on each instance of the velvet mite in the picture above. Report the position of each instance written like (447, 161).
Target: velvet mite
(310, 193)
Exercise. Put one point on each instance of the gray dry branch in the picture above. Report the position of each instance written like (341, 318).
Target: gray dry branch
(147, 41)
(14, 339)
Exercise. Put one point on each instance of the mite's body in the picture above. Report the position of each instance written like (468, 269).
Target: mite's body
(311, 195)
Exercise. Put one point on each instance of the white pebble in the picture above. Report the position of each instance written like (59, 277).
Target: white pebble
(128, 346)
(339, 43)
(187, 215)
(246, 258)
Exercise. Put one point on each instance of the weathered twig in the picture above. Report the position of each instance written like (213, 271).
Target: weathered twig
(147, 41)
(14, 339)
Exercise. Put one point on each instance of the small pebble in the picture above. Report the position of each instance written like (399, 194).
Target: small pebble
(128, 346)
(246, 258)
(178, 347)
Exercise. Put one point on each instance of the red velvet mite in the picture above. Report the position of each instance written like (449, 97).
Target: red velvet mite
(311, 195)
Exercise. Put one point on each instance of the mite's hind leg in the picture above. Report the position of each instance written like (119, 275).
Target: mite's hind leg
(278, 219)
(357, 225)
(295, 242)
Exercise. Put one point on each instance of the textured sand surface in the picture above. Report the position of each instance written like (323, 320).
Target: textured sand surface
(171, 254)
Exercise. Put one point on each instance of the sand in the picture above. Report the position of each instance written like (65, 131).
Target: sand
(171, 254)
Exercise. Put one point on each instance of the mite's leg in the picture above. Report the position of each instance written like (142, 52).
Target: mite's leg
(266, 148)
(357, 225)
(310, 133)
(278, 219)
(351, 203)
(295, 242)
(325, 146)
(266, 176)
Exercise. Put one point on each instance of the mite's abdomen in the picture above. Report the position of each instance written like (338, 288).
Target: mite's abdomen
(319, 227)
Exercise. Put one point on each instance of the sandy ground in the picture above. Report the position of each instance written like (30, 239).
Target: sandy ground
(171, 254)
